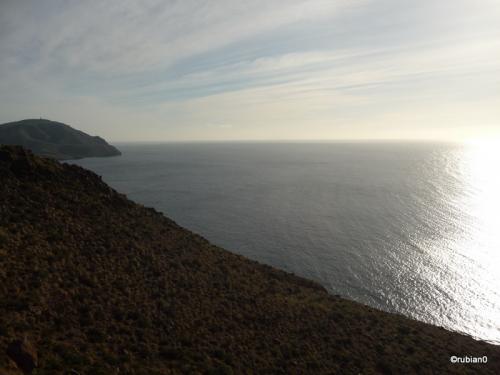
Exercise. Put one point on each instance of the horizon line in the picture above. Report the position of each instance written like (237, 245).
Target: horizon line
(333, 140)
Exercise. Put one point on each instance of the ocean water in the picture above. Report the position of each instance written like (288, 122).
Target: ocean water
(412, 228)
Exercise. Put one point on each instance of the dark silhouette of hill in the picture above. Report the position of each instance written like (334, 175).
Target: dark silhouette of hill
(92, 283)
(54, 139)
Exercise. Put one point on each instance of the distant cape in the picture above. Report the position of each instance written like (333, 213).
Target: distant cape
(54, 140)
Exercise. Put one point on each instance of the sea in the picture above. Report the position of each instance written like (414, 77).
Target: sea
(409, 228)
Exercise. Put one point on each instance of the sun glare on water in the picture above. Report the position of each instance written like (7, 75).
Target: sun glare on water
(478, 245)
(481, 176)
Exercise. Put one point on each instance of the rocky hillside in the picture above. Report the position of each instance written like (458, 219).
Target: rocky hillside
(54, 139)
(92, 283)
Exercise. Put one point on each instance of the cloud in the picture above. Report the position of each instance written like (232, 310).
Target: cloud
(265, 68)
(118, 37)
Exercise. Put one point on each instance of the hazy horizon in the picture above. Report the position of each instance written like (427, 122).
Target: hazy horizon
(255, 71)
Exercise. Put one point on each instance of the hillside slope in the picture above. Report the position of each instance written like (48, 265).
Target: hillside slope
(54, 139)
(96, 284)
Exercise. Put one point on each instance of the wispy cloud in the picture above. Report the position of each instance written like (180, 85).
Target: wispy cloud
(262, 69)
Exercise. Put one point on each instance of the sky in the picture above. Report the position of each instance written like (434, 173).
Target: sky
(157, 70)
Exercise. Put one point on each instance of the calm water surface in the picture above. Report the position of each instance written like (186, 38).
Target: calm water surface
(408, 228)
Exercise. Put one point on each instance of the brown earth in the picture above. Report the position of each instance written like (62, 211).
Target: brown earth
(92, 283)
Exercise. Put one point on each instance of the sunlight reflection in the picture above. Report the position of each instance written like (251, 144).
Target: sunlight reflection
(480, 166)
(480, 242)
